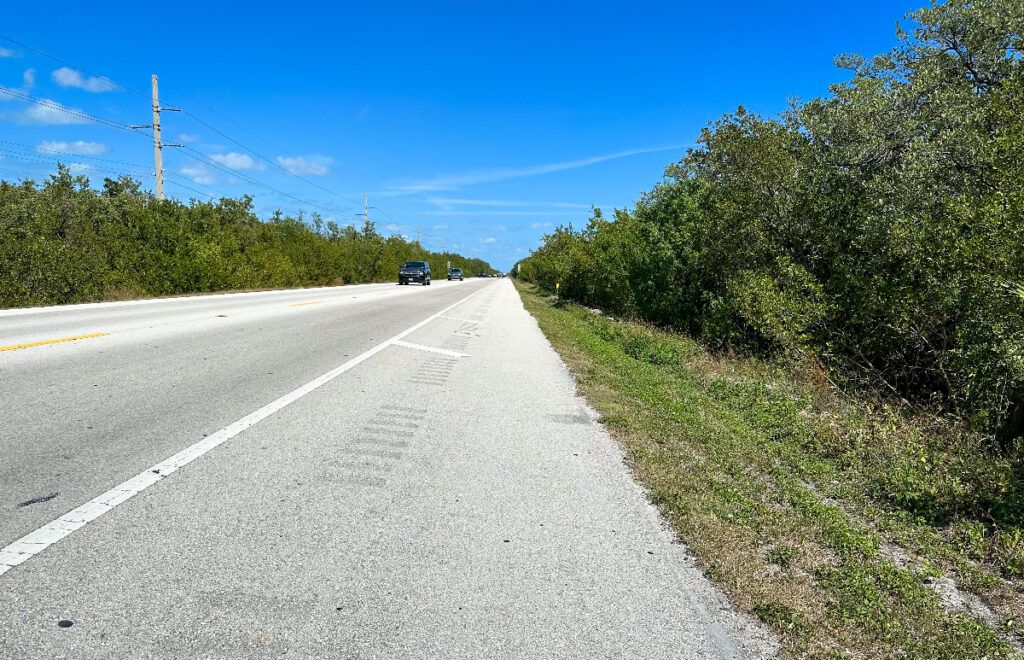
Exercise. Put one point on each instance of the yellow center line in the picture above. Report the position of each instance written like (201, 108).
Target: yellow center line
(303, 304)
(15, 347)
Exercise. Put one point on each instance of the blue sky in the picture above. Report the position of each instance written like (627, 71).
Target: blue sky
(480, 125)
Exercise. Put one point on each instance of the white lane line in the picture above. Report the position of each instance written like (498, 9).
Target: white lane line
(431, 349)
(38, 540)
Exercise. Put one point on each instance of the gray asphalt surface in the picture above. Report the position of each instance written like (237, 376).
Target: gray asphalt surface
(418, 504)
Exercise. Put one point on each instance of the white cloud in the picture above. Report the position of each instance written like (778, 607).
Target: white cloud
(50, 112)
(79, 168)
(499, 228)
(314, 165)
(7, 52)
(237, 161)
(198, 174)
(488, 240)
(475, 177)
(67, 77)
(540, 225)
(187, 138)
(440, 227)
(79, 148)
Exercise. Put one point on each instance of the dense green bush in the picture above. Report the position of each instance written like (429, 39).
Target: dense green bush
(64, 242)
(880, 229)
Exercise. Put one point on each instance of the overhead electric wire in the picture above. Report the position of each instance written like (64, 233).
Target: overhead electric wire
(37, 151)
(227, 169)
(267, 160)
(69, 64)
(114, 124)
(53, 105)
(101, 169)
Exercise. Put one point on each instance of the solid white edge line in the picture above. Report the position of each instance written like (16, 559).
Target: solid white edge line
(431, 349)
(38, 540)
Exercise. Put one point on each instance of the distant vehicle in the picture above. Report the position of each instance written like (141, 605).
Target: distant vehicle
(456, 274)
(481, 274)
(414, 271)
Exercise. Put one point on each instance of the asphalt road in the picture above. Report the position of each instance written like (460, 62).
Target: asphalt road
(361, 471)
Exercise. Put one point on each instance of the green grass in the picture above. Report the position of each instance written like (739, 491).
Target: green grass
(825, 516)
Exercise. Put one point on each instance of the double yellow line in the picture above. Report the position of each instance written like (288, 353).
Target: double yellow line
(60, 340)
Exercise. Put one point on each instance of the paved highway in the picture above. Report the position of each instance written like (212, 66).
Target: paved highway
(360, 471)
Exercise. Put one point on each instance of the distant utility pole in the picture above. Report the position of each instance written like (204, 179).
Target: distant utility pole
(158, 145)
(418, 235)
(366, 209)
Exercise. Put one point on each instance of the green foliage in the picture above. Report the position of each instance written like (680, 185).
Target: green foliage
(831, 518)
(64, 242)
(880, 228)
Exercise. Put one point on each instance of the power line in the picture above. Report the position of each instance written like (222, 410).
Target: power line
(53, 105)
(194, 117)
(69, 64)
(36, 151)
(114, 124)
(227, 169)
(125, 127)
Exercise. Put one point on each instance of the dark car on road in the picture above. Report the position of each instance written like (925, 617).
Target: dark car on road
(414, 271)
(456, 274)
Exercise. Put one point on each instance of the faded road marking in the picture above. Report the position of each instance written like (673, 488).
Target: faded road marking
(303, 304)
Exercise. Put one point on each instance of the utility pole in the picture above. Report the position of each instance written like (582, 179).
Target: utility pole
(158, 155)
(158, 145)
(418, 235)
(366, 209)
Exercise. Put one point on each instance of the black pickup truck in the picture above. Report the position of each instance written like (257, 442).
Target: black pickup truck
(414, 271)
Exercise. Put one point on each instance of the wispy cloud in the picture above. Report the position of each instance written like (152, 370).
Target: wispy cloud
(51, 113)
(188, 138)
(198, 174)
(363, 113)
(314, 165)
(447, 202)
(476, 177)
(67, 77)
(237, 161)
(7, 52)
(440, 227)
(541, 225)
(478, 214)
(488, 240)
(79, 148)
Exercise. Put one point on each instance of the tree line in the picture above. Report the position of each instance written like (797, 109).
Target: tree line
(878, 231)
(62, 241)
